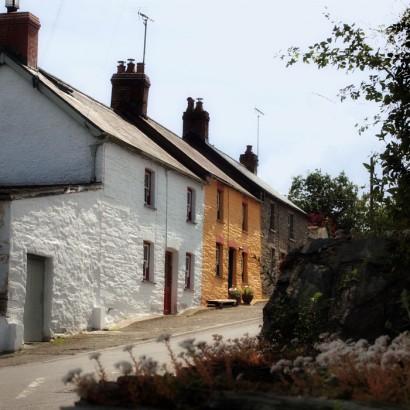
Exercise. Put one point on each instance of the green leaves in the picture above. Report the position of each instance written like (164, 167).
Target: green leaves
(387, 84)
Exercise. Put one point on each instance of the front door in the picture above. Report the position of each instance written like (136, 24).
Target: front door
(168, 283)
(33, 319)
(231, 267)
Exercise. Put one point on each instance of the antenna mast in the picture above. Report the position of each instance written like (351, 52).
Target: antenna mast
(145, 19)
(259, 112)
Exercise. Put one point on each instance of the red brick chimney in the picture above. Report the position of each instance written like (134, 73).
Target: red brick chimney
(130, 89)
(249, 159)
(19, 35)
(195, 120)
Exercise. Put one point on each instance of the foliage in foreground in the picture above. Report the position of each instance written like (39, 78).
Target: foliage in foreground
(336, 369)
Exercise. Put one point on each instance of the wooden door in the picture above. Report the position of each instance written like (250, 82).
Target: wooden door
(33, 318)
(168, 283)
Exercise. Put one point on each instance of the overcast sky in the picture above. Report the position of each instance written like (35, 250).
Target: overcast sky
(225, 52)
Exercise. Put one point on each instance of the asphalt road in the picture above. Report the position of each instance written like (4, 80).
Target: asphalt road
(136, 332)
(31, 379)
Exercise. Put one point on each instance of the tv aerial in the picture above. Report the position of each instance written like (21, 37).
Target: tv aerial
(259, 113)
(145, 20)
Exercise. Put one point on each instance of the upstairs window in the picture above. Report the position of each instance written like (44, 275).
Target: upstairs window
(244, 217)
(149, 187)
(146, 266)
(190, 205)
(219, 205)
(218, 261)
(272, 220)
(291, 226)
(188, 271)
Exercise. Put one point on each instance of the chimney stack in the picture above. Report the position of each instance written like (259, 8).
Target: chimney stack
(130, 87)
(195, 120)
(19, 34)
(249, 159)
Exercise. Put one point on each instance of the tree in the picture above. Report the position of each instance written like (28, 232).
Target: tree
(388, 85)
(327, 199)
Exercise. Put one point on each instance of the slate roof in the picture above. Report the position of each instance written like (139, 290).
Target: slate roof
(197, 157)
(255, 179)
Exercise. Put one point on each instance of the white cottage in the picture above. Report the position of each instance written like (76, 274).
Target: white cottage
(97, 222)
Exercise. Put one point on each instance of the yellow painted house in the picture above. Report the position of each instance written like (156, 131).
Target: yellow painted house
(232, 242)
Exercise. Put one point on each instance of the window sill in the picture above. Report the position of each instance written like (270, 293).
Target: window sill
(220, 221)
(192, 222)
(218, 277)
(150, 207)
(292, 239)
(273, 230)
(188, 290)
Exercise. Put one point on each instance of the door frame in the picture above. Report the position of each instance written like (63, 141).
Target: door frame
(47, 288)
(168, 280)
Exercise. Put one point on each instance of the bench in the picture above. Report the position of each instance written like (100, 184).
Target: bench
(220, 303)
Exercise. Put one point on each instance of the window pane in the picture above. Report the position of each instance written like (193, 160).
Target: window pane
(147, 187)
(188, 260)
(189, 204)
(218, 259)
(146, 267)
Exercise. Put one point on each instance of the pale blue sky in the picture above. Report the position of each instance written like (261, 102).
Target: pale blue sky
(224, 52)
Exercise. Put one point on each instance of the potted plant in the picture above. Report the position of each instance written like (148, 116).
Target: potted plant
(247, 295)
(235, 293)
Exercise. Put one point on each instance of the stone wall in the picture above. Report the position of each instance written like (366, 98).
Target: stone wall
(229, 233)
(92, 243)
(276, 241)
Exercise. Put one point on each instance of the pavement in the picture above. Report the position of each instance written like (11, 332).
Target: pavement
(133, 332)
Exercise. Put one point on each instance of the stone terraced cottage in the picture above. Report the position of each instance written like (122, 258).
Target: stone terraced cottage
(105, 214)
(94, 224)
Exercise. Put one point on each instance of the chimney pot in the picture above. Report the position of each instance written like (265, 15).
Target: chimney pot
(121, 67)
(140, 68)
(199, 105)
(130, 66)
(191, 103)
(12, 5)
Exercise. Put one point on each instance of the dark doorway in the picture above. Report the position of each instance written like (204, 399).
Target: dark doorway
(231, 267)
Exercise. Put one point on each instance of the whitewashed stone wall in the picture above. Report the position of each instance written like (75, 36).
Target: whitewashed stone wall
(39, 143)
(128, 222)
(93, 245)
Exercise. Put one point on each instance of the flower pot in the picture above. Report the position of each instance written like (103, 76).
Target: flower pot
(247, 298)
(237, 298)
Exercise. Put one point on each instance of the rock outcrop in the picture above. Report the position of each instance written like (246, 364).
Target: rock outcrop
(357, 288)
